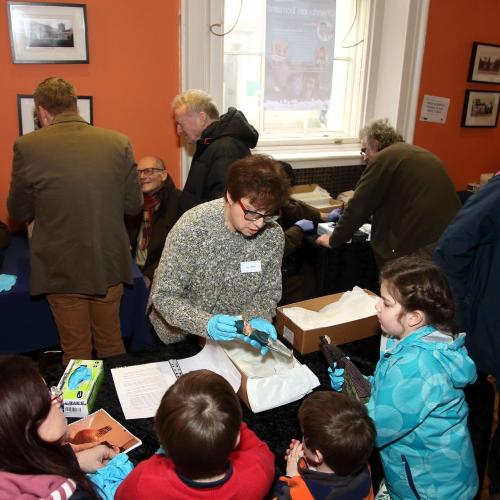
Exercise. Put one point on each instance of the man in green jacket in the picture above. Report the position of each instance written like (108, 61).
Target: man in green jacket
(76, 182)
(407, 191)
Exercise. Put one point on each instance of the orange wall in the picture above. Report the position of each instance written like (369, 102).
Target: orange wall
(133, 76)
(452, 27)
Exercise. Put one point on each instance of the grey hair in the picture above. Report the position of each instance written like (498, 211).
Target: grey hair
(197, 101)
(382, 132)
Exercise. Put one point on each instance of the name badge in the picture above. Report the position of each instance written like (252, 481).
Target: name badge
(252, 266)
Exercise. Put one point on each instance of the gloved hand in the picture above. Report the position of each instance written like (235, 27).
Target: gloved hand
(7, 281)
(264, 326)
(334, 215)
(336, 377)
(222, 327)
(305, 225)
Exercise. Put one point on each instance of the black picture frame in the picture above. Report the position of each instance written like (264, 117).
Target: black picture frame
(484, 64)
(42, 32)
(480, 108)
(28, 120)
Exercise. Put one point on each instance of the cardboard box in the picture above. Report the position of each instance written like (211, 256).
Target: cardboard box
(306, 341)
(306, 194)
(79, 401)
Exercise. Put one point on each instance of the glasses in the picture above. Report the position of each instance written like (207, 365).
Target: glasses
(55, 394)
(363, 152)
(148, 171)
(253, 216)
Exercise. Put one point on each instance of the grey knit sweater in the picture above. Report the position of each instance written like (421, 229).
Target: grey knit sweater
(200, 273)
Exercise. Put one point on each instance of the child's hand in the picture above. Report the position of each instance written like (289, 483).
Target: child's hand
(293, 442)
(294, 453)
(94, 458)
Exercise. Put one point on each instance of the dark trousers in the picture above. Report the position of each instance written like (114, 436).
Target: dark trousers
(480, 397)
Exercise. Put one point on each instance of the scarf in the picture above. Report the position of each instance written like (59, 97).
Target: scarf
(151, 204)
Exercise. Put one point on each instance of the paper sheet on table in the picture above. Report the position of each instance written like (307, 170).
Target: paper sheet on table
(272, 380)
(353, 305)
(141, 387)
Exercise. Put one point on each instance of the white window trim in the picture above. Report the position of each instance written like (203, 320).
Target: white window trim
(398, 29)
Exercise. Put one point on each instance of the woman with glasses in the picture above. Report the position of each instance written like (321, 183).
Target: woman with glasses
(223, 258)
(35, 461)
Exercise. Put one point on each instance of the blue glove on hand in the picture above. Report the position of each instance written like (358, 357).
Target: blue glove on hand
(305, 225)
(7, 281)
(222, 327)
(334, 215)
(336, 377)
(264, 326)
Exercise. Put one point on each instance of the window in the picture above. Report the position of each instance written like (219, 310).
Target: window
(380, 75)
(295, 67)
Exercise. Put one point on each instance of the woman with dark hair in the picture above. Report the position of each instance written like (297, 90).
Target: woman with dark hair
(35, 461)
(223, 259)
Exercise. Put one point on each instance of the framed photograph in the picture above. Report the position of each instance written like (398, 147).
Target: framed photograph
(484, 63)
(28, 118)
(48, 32)
(480, 108)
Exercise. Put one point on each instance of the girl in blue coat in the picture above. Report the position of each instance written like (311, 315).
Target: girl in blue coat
(417, 400)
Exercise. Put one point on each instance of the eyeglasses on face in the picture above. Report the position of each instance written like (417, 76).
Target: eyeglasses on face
(253, 216)
(55, 394)
(148, 171)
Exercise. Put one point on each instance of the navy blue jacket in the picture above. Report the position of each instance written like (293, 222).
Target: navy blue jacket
(469, 251)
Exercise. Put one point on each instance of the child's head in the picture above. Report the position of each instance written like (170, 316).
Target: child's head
(415, 292)
(337, 431)
(198, 423)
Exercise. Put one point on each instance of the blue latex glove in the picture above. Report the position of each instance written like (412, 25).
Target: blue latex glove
(336, 377)
(108, 478)
(7, 281)
(334, 215)
(305, 225)
(222, 327)
(80, 375)
(264, 326)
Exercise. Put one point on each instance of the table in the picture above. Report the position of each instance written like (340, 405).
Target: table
(276, 427)
(27, 323)
(340, 269)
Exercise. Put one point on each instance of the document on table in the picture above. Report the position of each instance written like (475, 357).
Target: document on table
(141, 387)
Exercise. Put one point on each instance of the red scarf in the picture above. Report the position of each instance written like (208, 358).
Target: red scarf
(151, 204)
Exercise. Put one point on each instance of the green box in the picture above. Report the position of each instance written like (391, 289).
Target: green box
(79, 402)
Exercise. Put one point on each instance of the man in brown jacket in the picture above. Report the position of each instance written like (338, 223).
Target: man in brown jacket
(407, 191)
(76, 182)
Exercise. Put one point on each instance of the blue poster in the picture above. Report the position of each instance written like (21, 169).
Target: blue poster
(300, 41)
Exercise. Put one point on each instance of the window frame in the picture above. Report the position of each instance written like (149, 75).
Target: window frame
(396, 41)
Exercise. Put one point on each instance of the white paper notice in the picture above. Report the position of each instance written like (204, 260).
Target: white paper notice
(434, 109)
(140, 388)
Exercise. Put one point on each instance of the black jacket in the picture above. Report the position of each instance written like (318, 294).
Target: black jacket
(221, 143)
(163, 221)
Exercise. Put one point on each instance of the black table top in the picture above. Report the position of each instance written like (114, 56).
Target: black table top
(276, 427)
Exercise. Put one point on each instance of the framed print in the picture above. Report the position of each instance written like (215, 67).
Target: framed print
(480, 108)
(485, 63)
(28, 119)
(48, 32)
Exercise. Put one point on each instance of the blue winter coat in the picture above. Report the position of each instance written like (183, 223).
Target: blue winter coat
(417, 404)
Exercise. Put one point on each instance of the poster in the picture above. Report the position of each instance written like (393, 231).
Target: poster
(300, 42)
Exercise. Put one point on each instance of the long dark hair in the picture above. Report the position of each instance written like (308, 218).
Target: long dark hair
(24, 405)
